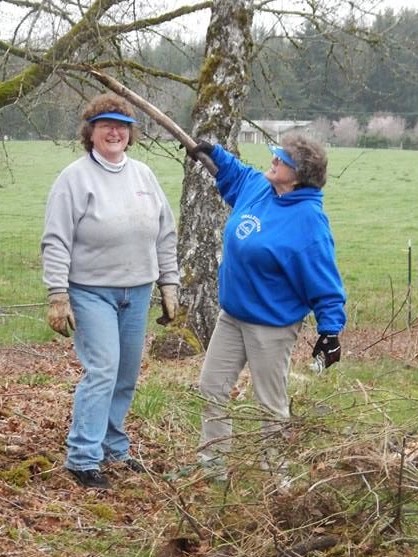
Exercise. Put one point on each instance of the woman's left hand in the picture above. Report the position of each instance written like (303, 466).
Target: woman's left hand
(169, 303)
(330, 347)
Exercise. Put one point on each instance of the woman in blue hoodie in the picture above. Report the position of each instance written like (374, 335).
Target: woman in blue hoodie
(278, 265)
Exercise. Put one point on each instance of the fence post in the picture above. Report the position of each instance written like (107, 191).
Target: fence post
(409, 283)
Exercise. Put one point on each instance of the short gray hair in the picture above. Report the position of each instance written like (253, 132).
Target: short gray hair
(310, 157)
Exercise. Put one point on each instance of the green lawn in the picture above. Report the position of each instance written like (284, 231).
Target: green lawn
(348, 424)
(370, 199)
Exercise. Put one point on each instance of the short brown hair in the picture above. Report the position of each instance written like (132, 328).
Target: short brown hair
(106, 102)
(310, 157)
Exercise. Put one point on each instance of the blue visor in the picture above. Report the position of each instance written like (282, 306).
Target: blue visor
(283, 155)
(112, 116)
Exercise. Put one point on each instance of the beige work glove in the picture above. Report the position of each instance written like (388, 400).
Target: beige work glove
(169, 303)
(60, 315)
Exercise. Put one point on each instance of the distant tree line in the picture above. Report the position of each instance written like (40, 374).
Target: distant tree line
(333, 74)
(383, 130)
(359, 91)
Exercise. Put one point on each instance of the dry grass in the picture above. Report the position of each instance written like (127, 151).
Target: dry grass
(353, 489)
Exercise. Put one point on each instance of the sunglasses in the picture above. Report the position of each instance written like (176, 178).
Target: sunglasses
(282, 156)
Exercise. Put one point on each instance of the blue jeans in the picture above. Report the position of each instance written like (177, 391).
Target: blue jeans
(110, 330)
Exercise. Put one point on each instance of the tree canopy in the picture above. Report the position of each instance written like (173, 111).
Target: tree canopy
(308, 62)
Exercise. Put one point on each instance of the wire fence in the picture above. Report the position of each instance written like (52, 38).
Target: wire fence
(381, 296)
(22, 294)
(375, 228)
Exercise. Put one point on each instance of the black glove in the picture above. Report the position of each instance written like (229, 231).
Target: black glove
(202, 147)
(330, 346)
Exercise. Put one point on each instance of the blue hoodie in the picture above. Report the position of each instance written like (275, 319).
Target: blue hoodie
(278, 252)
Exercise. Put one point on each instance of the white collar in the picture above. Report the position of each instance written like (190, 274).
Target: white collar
(107, 165)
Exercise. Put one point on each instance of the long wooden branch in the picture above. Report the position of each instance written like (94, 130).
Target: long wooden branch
(153, 112)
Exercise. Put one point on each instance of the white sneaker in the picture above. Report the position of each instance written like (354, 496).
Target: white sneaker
(278, 468)
(270, 461)
(279, 471)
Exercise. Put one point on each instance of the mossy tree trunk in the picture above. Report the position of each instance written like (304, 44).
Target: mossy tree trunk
(222, 90)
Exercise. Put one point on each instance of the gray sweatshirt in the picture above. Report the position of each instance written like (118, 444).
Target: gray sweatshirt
(108, 229)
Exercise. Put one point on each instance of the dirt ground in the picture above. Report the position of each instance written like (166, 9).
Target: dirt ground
(58, 357)
(37, 382)
(36, 391)
(32, 406)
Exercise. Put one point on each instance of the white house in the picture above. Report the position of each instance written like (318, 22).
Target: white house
(270, 131)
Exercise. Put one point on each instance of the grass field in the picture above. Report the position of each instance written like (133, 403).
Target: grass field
(350, 476)
(370, 199)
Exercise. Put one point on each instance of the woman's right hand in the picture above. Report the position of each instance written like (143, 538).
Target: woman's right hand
(169, 303)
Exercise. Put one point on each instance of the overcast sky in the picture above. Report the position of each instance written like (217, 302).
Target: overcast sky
(398, 4)
(196, 24)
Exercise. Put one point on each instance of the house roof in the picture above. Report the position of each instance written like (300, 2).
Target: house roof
(274, 126)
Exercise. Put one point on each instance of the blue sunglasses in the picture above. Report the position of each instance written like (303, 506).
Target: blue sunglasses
(283, 155)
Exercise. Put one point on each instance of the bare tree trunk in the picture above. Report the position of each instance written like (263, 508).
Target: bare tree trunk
(223, 87)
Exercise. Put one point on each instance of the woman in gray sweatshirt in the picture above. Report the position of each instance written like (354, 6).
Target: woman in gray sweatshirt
(109, 236)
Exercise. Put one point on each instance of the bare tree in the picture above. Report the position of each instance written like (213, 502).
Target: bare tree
(387, 126)
(346, 131)
(322, 129)
(92, 37)
(223, 85)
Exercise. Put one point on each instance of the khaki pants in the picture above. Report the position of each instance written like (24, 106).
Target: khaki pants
(267, 350)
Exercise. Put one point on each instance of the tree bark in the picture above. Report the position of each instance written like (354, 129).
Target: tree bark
(223, 87)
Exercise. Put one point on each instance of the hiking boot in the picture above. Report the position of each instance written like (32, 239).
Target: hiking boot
(91, 478)
(215, 466)
(134, 465)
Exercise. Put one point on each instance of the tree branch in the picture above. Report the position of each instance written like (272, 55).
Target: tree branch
(25, 82)
(157, 20)
(42, 7)
(83, 32)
